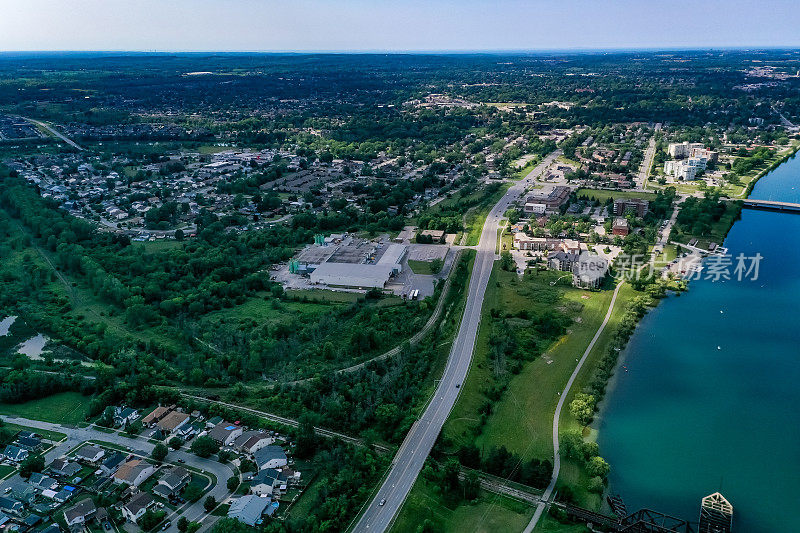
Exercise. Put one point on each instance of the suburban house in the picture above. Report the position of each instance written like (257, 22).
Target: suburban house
(172, 423)
(270, 457)
(137, 507)
(112, 462)
(155, 415)
(42, 482)
(79, 514)
(124, 416)
(269, 482)
(29, 441)
(251, 441)
(11, 506)
(64, 468)
(225, 433)
(90, 454)
(250, 509)
(172, 482)
(134, 472)
(15, 453)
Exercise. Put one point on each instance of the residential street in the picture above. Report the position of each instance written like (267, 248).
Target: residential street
(418, 443)
(77, 436)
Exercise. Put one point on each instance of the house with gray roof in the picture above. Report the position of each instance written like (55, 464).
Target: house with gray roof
(270, 457)
(249, 509)
(15, 453)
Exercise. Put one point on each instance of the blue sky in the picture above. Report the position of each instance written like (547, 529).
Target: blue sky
(299, 25)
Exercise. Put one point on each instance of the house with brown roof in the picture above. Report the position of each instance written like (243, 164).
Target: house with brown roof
(172, 422)
(155, 415)
(134, 472)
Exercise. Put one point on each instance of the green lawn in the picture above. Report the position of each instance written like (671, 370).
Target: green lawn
(51, 435)
(420, 267)
(63, 408)
(489, 514)
(602, 195)
(548, 524)
(6, 470)
(477, 215)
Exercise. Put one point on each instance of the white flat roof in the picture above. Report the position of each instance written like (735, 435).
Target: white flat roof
(393, 254)
(352, 275)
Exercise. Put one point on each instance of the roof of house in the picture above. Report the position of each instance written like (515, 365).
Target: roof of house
(156, 413)
(89, 452)
(114, 461)
(175, 477)
(269, 453)
(84, 508)
(41, 480)
(14, 452)
(10, 504)
(248, 509)
(269, 476)
(141, 501)
(221, 431)
(172, 420)
(130, 470)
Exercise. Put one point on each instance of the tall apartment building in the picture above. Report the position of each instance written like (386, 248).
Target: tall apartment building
(716, 514)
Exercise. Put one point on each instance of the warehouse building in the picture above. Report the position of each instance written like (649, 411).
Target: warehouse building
(353, 275)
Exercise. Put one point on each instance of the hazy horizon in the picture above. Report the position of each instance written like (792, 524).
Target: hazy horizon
(361, 26)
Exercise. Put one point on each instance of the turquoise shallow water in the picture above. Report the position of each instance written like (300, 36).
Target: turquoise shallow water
(711, 398)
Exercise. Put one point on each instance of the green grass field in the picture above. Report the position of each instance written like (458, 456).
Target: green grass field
(63, 408)
(602, 195)
(52, 435)
(6, 470)
(420, 267)
(548, 524)
(489, 514)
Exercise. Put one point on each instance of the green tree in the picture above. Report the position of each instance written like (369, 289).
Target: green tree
(183, 524)
(597, 467)
(175, 443)
(507, 261)
(159, 452)
(233, 483)
(33, 463)
(582, 408)
(204, 446)
(436, 265)
(209, 504)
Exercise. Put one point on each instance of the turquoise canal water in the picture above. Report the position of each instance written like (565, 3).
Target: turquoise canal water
(711, 396)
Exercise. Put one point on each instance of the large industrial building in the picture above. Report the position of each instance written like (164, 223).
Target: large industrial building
(350, 262)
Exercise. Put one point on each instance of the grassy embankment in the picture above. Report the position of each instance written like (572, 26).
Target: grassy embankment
(489, 514)
(522, 419)
(476, 216)
(421, 267)
(63, 408)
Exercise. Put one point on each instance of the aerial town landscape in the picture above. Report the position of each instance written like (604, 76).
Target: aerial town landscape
(473, 290)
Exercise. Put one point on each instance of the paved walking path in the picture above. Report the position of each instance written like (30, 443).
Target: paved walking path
(548, 493)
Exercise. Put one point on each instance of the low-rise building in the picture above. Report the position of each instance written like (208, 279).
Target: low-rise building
(172, 482)
(251, 441)
(225, 433)
(15, 454)
(589, 271)
(134, 472)
(270, 457)
(562, 261)
(172, 423)
(269, 482)
(137, 507)
(249, 509)
(79, 514)
(620, 227)
(90, 454)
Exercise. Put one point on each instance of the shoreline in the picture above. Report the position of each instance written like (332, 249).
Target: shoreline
(613, 381)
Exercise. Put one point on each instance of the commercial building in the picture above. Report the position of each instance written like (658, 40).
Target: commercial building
(352, 275)
(620, 227)
(638, 206)
(588, 271)
(552, 198)
(684, 149)
(716, 514)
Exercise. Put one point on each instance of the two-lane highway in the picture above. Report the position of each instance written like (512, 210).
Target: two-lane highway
(418, 443)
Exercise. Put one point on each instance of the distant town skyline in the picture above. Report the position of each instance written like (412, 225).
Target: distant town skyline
(416, 25)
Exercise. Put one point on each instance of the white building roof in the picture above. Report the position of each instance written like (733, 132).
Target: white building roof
(393, 254)
(352, 275)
